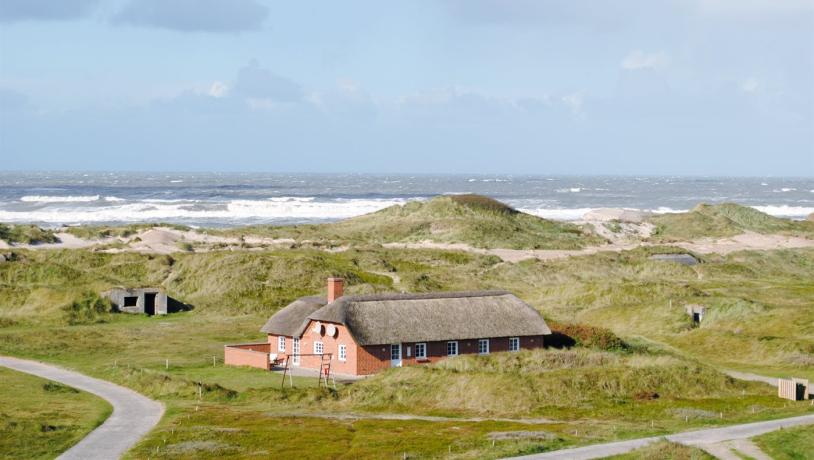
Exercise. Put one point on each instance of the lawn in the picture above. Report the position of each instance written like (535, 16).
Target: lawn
(789, 443)
(40, 419)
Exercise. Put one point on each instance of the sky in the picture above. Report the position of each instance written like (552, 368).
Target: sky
(690, 87)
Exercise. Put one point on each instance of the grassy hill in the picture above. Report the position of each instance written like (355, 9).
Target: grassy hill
(470, 219)
(722, 220)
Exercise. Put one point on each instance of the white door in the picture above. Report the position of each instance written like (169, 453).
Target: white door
(395, 355)
(295, 350)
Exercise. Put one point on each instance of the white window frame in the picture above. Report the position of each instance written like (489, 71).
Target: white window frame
(455, 343)
(486, 350)
(319, 348)
(281, 344)
(343, 352)
(423, 347)
(516, 342)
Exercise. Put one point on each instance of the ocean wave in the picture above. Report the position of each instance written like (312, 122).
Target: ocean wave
(793, 212)
(231, 211)
(569, 190)
(58, 199)
(567, 214)
(277, 209)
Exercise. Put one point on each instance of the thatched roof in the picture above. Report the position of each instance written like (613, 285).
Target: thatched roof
(395, 318)
(290, 319)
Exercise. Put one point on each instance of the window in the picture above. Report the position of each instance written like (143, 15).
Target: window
(343, 352)
(130, 301)
(281, 343)
(421, 351)
(452, 348)
(514, 343)
(395, 352)
(318, 348)
(483, 346)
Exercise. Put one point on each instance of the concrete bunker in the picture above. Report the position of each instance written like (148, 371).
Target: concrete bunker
(150, 301)
(683, 259)
(696, 312)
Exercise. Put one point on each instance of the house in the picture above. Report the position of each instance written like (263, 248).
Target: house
(367, 333)
(152, 301)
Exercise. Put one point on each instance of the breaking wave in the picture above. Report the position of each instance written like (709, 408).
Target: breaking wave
(234, 211)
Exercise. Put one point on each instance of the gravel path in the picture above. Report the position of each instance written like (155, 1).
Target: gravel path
(698, 438)
(133, 415)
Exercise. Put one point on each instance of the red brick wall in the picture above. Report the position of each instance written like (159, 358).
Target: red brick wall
(251, 355)
(437, 351)
(374, 358)
(329, 345)
(274, 346)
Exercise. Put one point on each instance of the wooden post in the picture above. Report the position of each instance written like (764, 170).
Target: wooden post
(166, 364)
(213, 361)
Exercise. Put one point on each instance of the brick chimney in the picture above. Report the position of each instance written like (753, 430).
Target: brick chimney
(335, 288)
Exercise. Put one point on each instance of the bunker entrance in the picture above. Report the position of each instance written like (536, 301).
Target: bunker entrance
(149, 304)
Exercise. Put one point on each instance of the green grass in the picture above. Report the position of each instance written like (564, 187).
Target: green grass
(664, 450)
(789, 443)
(470, 219)
(95, 232)
(40, 419)
(721, 220)
(760, 305)
(26, 234)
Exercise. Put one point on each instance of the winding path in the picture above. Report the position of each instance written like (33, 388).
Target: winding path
(133, 415)
(699, 438)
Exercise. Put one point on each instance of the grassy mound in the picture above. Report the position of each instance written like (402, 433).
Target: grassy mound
(470, 219)
(721, 220)
(560, 383)
(26, 234)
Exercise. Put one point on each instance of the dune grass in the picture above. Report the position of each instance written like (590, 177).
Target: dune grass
(789, 443)
(758, 306)
(95, 232)
(40, 419)
(26, 234)
(469, 219)
(721, 220)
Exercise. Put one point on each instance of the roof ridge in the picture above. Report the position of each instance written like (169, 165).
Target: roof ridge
(419, 295)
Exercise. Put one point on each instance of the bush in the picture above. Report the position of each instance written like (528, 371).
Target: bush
(586, 336)
(88, 309)
(26, 234)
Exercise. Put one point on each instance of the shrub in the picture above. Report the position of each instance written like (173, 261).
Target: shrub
(89, 308)
(26, 234)
(586, 336)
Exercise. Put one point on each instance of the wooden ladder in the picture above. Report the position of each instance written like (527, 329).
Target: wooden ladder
(325, 371)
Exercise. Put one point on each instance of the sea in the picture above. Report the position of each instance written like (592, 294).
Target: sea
(54, 199)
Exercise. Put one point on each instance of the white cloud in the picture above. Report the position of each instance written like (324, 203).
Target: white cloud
(638, 59)
(218, 89)
(750, 85)
(574, 102)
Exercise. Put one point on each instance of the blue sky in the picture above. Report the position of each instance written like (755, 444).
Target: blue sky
(709, 87)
